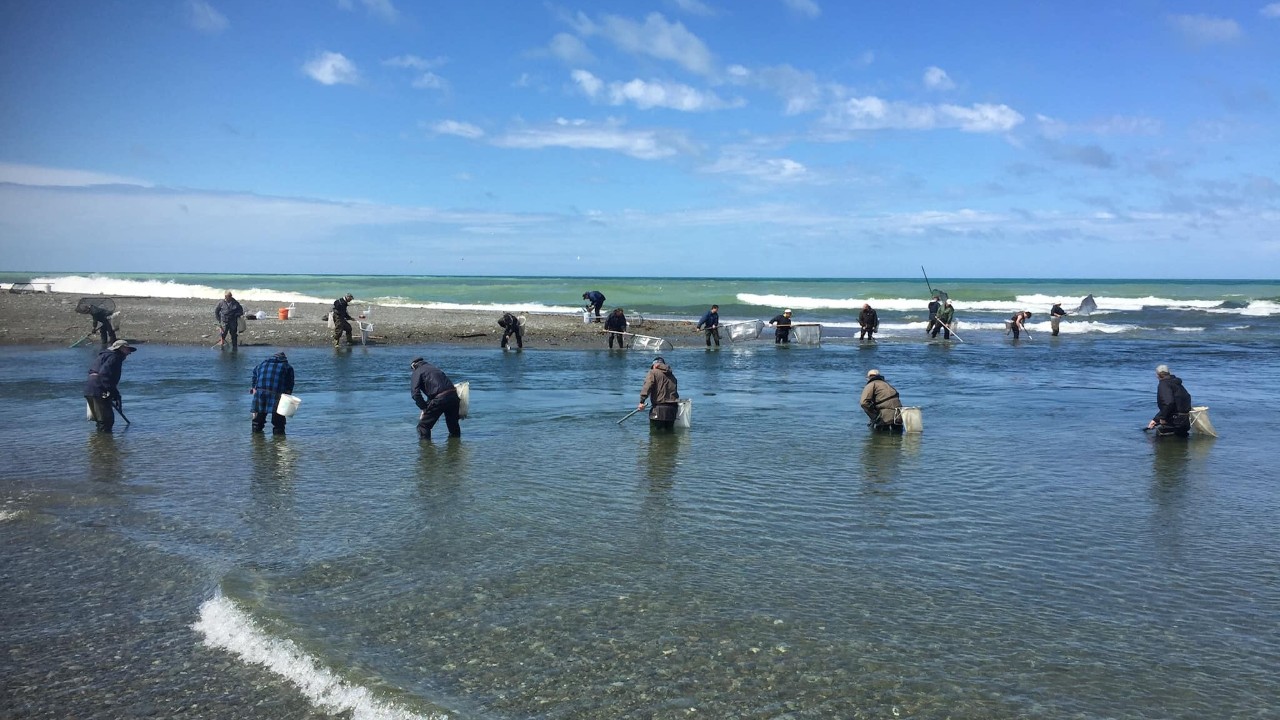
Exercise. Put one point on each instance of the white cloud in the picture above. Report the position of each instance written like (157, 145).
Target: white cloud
(694, 7)
(382, 9)
(1270, 11)
(581, 135)
(331, 68)
(770, 170)
(808, 8)
(36, 175)
(656, 37)
(1111, 126)
(460, 129)
(1206, 30)
(430, 81)
(650, 94)
(873, 113)
(204, 17)
(935, 78)
(799, 89)
(570, 50)
(413, 62)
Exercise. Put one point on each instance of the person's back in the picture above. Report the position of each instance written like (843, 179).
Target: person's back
(880, 400)
(617, 321)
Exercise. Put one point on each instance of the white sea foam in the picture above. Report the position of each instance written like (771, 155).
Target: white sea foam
(96, 285)
(533, 308)
(7, 515)
(1034, 303)
(226, 626)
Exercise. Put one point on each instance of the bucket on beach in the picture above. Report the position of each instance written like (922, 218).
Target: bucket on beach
(586, 316)
(288, 405)
(292, 311)
(284, 313)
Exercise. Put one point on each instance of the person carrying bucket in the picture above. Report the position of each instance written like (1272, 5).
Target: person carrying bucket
(660, 387)
(272, 377)
(435, 395)
(880, 402)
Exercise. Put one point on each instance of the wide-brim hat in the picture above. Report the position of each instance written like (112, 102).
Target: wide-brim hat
(121, 345)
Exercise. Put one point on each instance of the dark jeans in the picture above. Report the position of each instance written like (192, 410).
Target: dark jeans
(233, 329)
(622, 340)
(782, 335)
(277, 422)
(103, 414)
(866, 333)
(713, 333)
(107, 332)
(341, 327)
(663, 416)
(1179, 424)
(946, 332)
(513, 331)
(444, 404)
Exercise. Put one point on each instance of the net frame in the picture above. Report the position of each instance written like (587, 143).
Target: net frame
(806, 333)
(88, 304)
(646, 342)
(464, 398)
(684, 413)
(1200, 422)
(743, 330)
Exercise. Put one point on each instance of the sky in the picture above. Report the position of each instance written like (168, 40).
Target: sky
(700, 138)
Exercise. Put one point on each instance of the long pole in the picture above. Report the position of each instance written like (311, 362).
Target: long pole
(120, 409)
(633, 412)
(953, 332)
(86, 337)
(926, 279)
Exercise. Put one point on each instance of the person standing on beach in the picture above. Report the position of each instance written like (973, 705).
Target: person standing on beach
(782, 327)
(1056, 313)
(934, 306)
(1174, 403)
(595, 301)
(228, 314)
(868, 322)
(102, 389)
(660, 387)
(510, 325)
(434, 395)
(1015, 322)
(710, 325)
(272, 377)
(102, 324)
(342, 320)
(615, 326)
(943, 322)
(880, 402)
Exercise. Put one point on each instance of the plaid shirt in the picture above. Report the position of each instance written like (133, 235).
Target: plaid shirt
(272, 377)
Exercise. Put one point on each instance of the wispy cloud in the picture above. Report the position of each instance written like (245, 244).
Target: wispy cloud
(767, 170)
(426, 80)
(331, 68)
(807, 8)
(1205, 29)
(694, 7)
(650, 94)
(873, 113)
(460, 129)
(582, 135)
(1116, 125)
(381, 9)
(799, 90)
(204, 17)
(37, 175)
(1271, 11)
(656, 37)
(935, 78)
(570, 50)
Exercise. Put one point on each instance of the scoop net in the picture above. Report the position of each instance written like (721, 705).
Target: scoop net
(1200, 420)
(684, 414)
(746, 330)
(89, 305)
(464, 398)
(806, 333)
(645, 342)
(1087, 305)
(912, 421)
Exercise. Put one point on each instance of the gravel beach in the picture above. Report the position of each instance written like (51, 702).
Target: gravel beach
(50, 319)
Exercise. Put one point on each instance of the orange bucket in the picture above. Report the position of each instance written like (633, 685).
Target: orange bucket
(284, 313)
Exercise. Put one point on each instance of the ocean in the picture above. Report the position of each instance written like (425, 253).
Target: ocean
(1033, 553)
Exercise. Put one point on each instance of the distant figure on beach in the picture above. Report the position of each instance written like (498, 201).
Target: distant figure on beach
(595, 301)
(342, 320)
(943, 321)
(101, 323)
(934, 307)
(710, 325)
(660, 389)
(102, 389)
(781, 327)
(868, 322)
(228, 314)
(880, 402)
(1174, 402)
(272, 377)
(615, 326)
(1015, 322)
(1056, 314)
(510, 325)
(434, 395)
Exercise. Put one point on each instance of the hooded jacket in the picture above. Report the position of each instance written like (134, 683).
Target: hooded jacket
(104, 374)
(879, 399)
(228, 312)
(430, 381)
(868, 319)
(1172, 399)
(616, 322)
(660, 383)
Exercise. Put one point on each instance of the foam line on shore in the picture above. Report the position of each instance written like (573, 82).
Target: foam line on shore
(225, 626)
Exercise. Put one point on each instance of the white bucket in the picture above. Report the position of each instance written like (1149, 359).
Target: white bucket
(464, 398)
(293, 311)
(288, 405)
(586, 316)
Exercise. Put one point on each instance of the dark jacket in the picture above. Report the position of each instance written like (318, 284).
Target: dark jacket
(660, 384)
(1172, 399)
(427, 382)
(509, 321)
(868, 319)
(616, 322)
(340, 309)
(709, 320)
(934, 306)
(1057, 311)
(272, 377)
(879, 399)
(104, 374)
(782, 321)
(228, 312)
(100, 317)
(595, 297)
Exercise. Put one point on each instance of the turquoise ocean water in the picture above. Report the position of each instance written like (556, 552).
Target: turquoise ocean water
(1032, 554)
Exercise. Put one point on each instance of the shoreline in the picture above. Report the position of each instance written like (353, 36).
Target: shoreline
(51, 319)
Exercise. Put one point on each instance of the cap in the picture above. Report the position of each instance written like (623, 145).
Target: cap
(415, 363)
(349, 296)
(873, 373)
(121, 345)
(658, 360)
(1162, 369)
(787, 311)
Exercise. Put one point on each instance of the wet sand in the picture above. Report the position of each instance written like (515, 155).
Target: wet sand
(50, 319)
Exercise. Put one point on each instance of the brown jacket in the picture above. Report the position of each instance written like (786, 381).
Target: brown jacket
(660, 383)
(879, 399)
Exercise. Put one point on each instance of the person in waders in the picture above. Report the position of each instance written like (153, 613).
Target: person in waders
(102, 389)
(1174, 403)
(271, 378)
(881, 403)
(660, 389)
(434, 395)
(781, 327)
(510, 325)
(228, 314)
(342, 320)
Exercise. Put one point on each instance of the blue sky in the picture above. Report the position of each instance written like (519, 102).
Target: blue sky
(770, 138)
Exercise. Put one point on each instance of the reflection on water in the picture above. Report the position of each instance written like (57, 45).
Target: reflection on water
(663, 458)
(104, 458)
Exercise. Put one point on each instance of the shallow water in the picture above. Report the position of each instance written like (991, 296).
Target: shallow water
(1033, 554)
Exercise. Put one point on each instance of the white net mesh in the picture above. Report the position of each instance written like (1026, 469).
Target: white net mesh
(1200, 421)
(739, 331)
(645, 342)
(912, 421)
(806, 334)
(684, 414)
(464, 397)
